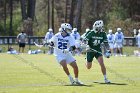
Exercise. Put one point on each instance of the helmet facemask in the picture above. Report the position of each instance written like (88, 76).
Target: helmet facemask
(66, 28)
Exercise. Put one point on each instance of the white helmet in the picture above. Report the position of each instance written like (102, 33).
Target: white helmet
(66, 27)
(50, 30)
(119, 29)
(74, 30)
(96, 26)
(110, 31)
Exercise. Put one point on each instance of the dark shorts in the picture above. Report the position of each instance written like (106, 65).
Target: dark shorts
(21, 44)
(91, 55)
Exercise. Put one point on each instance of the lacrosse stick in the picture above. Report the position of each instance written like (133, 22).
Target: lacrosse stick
(40, 46)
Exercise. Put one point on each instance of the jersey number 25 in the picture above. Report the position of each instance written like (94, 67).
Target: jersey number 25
(62, 45)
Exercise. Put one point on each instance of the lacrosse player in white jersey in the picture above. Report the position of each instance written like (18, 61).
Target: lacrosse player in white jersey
(138, 39)
(63, 44)
(48, 36)
(110, 38)
(76, 36)
(119, 37)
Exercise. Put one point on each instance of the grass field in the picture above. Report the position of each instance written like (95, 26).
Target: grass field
(42, 74)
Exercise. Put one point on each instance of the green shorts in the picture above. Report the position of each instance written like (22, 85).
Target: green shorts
(91, 55)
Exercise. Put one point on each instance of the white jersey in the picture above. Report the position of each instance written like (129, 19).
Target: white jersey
(119, 37)
(76, 36)
(110, 38)
(48, 36)
(138, 39)
(61, 43)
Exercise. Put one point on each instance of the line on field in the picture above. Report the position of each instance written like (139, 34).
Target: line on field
(39, 69)
(31, 85)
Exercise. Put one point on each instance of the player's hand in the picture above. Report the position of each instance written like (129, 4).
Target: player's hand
(108, 54)
(65, 51)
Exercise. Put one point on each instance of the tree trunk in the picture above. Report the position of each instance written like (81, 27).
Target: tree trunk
(4, 16)
(11, 17)
(78, 15)
(48, 14)
(73, 5)
(23, 9)
(66, 12)
(31, 9)
(53, 15)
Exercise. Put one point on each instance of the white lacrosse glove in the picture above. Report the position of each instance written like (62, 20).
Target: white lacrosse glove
(107, 54)
(87, 47)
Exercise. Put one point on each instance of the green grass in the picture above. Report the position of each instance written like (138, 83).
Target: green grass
(42, 74)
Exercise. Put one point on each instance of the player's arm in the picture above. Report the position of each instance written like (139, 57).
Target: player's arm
(18, 38)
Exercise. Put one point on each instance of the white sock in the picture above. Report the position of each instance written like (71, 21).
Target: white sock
(69, 76)
(76, 79)
(105, 77)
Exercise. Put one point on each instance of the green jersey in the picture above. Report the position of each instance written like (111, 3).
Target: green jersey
(95, 39)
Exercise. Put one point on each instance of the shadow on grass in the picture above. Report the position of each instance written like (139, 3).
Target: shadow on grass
(81, 85)
(111, 83)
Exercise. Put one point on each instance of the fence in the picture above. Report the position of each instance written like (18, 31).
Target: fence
(128, 41)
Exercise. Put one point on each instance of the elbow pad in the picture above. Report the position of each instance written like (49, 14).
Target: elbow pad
(72, 48)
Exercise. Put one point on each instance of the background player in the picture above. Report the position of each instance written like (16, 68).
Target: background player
(48, 36)
(22, 39)
(76, 36)
(119, 37)
(110, 38)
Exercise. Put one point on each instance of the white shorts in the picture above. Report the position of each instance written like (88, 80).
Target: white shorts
(68, 57)
(111, 45)
(118, 45)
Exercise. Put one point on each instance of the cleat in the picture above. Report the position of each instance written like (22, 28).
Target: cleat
(72, 81)
(107, 81)
(79, 82)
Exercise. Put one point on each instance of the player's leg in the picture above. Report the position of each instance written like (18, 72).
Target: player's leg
(89, 59)
(19, 47)
(76, 71)
(111, 48)
(61, 59)
(103, 68)
(121, 49)
(65, 68)
(23, 46)
(70, 60)
(116, 49)
(75, 68)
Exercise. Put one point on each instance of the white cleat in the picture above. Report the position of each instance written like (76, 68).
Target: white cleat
(107, 81)
(72, 81)
(78, 82)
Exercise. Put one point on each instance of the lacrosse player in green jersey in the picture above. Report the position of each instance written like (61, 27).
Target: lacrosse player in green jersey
(94, 39)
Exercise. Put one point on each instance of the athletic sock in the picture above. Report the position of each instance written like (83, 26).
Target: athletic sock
(69, 76)
(76, 79)
(105, 77)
